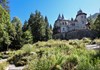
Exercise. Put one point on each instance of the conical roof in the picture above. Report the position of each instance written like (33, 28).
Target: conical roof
(59, 17)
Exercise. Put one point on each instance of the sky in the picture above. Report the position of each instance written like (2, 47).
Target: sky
(52, 8)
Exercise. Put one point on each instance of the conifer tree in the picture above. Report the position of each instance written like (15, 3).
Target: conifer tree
(25, 26)
(96, 25)
(4, 4)
(18, 38)
(36, 23)
(48, 29)
(27, 37)
(4, 34)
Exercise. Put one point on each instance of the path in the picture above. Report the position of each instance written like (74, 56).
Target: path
(3, 60)
(95, 47)
(13, 67)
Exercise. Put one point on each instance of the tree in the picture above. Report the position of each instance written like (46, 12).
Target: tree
(4, 38)
(96, 26)
(51, 32)
(48, 29)
(4, 34)
(50, 26)
(25, 26)
(27, 37)
(36, 23)
(4, 4)
(18, 38)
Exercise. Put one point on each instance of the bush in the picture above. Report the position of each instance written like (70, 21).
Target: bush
(57, 55)
(27, 48)
(70, 63)
(84, 66)
(86, 40)
(18, 59)
(47, 62)
(3, 65)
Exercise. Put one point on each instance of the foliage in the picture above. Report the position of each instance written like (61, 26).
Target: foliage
(27, 48)
(4, 25)
(25, 26)
(60, 55)
(27, 37)
(4, 4)
(3, 65)
(48, 29)
(18, 37)
(96, 25)
(39, 27)
(18, 59)
(21, 57)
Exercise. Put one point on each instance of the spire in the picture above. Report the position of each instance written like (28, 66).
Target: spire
(59, 17)
(62, 16)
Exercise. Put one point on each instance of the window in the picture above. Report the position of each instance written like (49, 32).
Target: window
(81, 16)
(82, 22)
(63, 29)
(63, 23)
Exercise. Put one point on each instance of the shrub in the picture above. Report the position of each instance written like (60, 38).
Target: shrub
(17, 59)
(86, 40)
(27, 48)
(84, 66)
(97, 41)
(3, 65)
(70, 63)
(47, 62)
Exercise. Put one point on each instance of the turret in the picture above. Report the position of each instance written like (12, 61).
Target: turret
(59, 17)
(81, 19)
(81, 16)
(62, 16)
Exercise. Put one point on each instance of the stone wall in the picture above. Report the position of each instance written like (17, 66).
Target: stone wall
(79, 34)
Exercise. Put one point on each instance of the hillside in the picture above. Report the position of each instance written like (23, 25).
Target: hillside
(57, 55)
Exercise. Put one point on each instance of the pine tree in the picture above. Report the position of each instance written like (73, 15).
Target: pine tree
(48, 29)
(37, 25)
(96, 25)
(25, 26)
(4, 34)
(18, 38)
(51, 31)
(50, 26)
(4, 4)
(27, 37)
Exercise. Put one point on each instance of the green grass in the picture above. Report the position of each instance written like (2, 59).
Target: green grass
(58, 55)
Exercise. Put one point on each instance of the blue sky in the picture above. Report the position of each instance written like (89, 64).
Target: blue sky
(52, 8)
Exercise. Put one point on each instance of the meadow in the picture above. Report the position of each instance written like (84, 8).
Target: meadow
(57, 55)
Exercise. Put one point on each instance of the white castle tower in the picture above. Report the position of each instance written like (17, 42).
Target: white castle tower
(81, 19)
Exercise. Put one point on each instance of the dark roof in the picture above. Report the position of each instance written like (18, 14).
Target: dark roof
(80, 14)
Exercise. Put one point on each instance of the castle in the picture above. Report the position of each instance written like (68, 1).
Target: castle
(62, 26)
